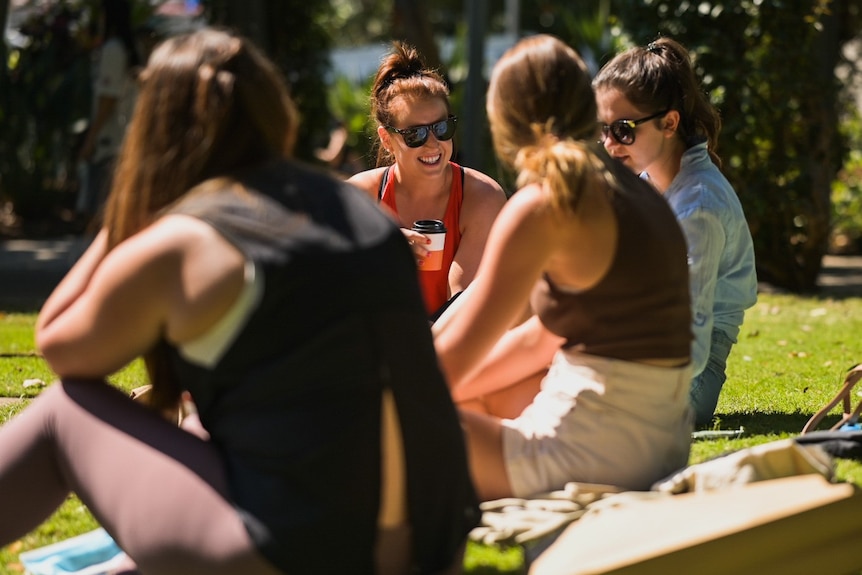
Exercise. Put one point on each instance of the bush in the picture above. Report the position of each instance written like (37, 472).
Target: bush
(846, 234)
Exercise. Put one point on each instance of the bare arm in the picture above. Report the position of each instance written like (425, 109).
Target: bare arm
(75, 282)
(520, 245)
(522, 351)
(173, 280)
(483, 200)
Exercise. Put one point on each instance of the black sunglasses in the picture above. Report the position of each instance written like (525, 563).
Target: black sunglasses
(416, 136)
(623, 131)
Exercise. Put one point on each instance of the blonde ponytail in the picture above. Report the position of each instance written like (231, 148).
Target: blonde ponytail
(563, 166)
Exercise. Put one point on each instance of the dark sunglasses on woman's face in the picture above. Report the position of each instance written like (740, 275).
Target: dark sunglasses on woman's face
(623, 131)
(416, 136)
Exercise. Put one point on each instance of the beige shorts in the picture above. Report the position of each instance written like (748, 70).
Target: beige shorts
(600, 420)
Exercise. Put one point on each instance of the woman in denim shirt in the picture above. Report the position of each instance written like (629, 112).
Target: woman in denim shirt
(658, 121)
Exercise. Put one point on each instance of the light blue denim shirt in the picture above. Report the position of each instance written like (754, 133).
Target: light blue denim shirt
(722, 275)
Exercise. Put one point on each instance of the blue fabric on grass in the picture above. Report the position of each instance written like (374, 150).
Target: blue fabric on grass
(92, 553)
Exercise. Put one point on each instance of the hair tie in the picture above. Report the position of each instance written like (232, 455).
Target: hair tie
(653, 48)
(394, 77)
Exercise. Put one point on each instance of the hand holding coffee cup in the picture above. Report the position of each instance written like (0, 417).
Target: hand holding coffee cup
(435, 231)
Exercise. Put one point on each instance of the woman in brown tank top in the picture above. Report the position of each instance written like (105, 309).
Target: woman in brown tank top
(602, 261)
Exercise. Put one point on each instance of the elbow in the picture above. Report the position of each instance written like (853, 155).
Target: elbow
(52, 353)
(43, 342)
(63, 360)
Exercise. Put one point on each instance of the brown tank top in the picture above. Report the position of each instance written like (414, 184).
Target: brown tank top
(641, 308)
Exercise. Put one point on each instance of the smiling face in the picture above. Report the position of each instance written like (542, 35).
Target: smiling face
(433, 156)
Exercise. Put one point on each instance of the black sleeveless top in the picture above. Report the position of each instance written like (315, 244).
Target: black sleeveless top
(294, 404)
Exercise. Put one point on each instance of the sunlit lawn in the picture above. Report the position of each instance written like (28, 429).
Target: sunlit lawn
(790, 360)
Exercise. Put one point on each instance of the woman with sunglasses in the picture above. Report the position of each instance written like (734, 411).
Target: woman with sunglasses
(600, 257)
(658, 121)
(416, 178)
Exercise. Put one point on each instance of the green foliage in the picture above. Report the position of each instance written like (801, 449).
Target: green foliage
(45, 97)
(847, 191)
(489, 560)
(769, 67)
(292, 34)
(45, 94)
(349, 104)
(301, 46)
(357, 21)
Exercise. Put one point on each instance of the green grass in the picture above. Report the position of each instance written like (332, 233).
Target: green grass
(790, 360)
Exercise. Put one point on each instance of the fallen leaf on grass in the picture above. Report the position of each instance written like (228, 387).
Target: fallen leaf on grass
(35, 382)
(817, 312)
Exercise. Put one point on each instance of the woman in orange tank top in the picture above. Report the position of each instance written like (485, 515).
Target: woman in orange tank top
(416, 179)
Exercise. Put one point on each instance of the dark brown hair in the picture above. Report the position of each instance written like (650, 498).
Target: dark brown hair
(660, 76)
(402, 73)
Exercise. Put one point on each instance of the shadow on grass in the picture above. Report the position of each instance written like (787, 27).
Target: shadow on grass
(763, 423)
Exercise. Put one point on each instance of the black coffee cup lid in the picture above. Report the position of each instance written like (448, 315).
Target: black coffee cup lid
(429, 226)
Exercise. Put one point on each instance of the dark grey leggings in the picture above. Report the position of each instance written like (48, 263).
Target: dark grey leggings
(158, 490)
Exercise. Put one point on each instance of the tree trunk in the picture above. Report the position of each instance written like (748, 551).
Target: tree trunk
(823, 165)
(4, 16)
(249, 17)
(410, 23)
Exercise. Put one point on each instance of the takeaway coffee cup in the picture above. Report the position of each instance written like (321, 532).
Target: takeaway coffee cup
(436, 232)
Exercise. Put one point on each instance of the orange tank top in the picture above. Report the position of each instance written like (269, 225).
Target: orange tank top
(435, 284)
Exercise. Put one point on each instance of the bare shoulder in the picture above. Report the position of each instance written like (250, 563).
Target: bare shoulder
(482, 192)
(178, 231)
(368, 181)
(531, 199)
(476, 182)
(182, 237)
